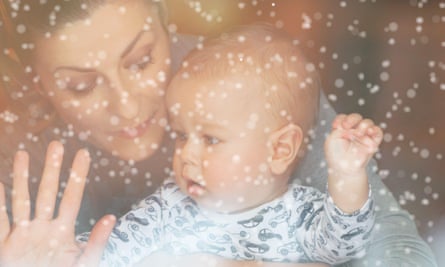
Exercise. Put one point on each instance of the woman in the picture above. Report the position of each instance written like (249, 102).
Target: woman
(105, 81)
(111, 95)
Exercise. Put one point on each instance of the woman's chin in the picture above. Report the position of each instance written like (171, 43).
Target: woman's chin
(127, 149)
(135, 155)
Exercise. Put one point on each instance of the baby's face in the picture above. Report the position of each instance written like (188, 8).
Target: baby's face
(222, 142)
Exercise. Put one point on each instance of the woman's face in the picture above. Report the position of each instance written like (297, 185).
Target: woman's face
(106, 76)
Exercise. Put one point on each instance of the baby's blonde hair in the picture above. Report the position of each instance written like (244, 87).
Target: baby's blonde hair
(289, 81)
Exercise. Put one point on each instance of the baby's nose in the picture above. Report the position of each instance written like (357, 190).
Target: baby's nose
(190, 152)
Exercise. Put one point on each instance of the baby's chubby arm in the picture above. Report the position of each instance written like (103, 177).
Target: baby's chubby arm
(348, 148)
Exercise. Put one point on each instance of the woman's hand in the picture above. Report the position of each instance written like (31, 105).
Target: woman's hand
(45, 240)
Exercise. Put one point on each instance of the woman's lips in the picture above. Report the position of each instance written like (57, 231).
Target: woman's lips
(134, 132)
(137, 131)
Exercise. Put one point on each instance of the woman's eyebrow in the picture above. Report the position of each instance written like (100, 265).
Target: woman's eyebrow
(126, 51)
(132, 44)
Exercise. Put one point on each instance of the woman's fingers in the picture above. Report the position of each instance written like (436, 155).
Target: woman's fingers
(20, 194)
(46, 198)
(97, 241)
(72, 197)
(4, 219)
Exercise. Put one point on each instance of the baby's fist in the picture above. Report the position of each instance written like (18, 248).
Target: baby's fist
(352, 143)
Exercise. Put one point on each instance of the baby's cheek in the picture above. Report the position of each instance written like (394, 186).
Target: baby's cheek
(177, 165)
(221, 170)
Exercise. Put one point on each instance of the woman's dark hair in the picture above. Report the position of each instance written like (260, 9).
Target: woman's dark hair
(21, 20)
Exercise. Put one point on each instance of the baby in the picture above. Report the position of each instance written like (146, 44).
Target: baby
(240, 110)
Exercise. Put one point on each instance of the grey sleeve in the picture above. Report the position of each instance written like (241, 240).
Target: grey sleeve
(181, 45)
(395, 240)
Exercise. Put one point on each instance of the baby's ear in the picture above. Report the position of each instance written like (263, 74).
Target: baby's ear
(285, 144)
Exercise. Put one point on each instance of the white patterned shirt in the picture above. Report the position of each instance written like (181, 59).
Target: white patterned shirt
(303, 225)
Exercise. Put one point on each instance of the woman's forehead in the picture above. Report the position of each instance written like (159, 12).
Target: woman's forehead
(114, 17)
(108, 32)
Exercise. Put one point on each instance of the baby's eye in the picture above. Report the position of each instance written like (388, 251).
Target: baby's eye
(211, 140)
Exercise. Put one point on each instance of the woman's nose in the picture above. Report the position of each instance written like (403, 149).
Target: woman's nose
(125, 101)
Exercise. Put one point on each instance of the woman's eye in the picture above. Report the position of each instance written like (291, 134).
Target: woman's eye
(141, 64)
(80, 86)
(85, 86)
(139, 60)
(211, 140)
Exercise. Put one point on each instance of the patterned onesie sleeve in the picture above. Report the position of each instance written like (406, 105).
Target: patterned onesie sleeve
(330, 235)
(137, 234)
(141, 231)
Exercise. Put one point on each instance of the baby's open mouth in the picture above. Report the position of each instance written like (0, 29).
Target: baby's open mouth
(195, 188)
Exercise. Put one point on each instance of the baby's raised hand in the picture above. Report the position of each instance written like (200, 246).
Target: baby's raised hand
(351, 144)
